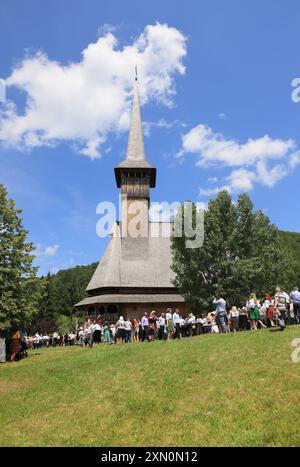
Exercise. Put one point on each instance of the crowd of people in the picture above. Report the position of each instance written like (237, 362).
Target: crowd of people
(280, 310)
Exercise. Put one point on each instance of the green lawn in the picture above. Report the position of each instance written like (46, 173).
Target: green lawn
(226, 390)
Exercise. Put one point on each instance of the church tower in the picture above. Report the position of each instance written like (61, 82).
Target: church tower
(135, 176)
(134, 275)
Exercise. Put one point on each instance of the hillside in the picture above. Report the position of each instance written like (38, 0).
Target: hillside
(208, 390)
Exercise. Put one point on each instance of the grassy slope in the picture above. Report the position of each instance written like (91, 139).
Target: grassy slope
(210, 390)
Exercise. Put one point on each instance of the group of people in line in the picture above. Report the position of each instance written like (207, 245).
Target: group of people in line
(280, 310)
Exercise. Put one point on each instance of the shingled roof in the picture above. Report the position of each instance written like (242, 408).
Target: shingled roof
(136, 262)
(131, 298)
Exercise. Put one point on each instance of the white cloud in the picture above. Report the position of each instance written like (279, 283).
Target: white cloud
(241, 180)
(213, 148)
(294, 160)
(50, 250)
(85, 101)
(264, 160)
(213, 180)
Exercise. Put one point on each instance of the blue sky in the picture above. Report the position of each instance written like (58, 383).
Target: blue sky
(225, 71)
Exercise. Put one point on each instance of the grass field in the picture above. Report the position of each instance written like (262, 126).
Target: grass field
(224, 390)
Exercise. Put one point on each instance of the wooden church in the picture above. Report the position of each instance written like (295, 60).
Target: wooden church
(134, 274)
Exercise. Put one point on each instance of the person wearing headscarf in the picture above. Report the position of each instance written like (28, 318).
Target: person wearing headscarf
(121, 330)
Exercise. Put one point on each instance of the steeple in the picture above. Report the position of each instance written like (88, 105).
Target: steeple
(135, 176)
(135, 148)
(135, 161)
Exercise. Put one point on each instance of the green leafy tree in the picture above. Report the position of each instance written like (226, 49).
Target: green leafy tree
(46, 308)
(241, 254)
(19, 287)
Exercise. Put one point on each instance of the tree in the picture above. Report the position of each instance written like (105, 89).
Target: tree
(19, 287)
(46, 309)
(241, 254)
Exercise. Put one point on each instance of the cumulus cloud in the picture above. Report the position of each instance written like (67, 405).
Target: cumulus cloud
(84, 102)
(50, 250)
(264, 160)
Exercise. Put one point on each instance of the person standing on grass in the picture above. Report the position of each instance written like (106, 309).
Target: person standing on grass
(113, 337)
(169, 323)
(295, 299)
(254, 306)
(152, 326)
(161, 326)
(81, 337)
(243, 318)
(136, 330)
(106, 334)
(183, 326)
(191, 324)
(128, 327)
(97, 332)
(145, 326)
(281, 307)
(269, 306)
(15, 345)
(234, 318)
(89, 335)
(121, 330)
(176, 324)
(221, 313)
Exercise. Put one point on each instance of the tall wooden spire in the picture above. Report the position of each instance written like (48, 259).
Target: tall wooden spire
(135, 161)
(135, 176)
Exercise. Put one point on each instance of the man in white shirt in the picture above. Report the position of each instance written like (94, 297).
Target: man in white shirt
(176, 322)
(145, 326)
(295, 298)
